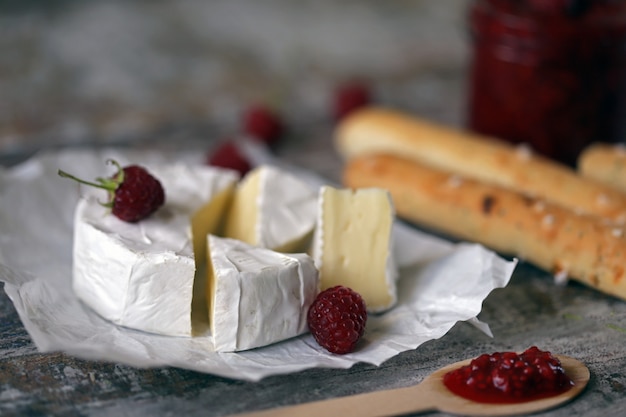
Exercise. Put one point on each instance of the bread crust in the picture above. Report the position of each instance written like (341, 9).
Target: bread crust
(379, 130)
(605, 163)
(585, 247)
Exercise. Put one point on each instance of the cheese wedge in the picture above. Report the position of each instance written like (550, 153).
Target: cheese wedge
(273, 209)
(141, 275)
(353, 244)
(257, 296)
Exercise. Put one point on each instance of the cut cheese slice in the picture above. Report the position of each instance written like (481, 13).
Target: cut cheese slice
(257, 296)
(141, 275)
(353, 244)
(273, 209)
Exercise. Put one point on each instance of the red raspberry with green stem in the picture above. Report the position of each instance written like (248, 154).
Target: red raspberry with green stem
(134, 193)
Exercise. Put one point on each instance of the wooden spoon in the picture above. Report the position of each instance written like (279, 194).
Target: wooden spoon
(429, 395)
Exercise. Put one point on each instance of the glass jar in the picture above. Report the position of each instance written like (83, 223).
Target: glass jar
(549, 73)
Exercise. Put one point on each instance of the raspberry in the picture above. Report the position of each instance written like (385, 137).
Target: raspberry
(228, 155)
(134, 193)
(138, 194)
(262, 124)
(337, 319)
(350, 97)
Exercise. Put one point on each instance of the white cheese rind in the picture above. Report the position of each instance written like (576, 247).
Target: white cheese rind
(257, 296)
(353, 244)
(287, 211)
(204, 192)
(273, 209)
(141, 275)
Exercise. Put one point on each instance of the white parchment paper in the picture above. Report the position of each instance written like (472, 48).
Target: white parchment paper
(440, 283)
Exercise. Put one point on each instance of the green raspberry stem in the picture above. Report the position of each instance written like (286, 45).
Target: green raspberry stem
(109, 184)
(105, 185)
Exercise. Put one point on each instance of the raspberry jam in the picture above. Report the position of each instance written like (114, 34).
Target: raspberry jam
(509, 377)
(549, 73)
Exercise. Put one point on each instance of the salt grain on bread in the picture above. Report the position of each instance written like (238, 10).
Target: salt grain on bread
(378, 130)
(605, 163)
(557, 239)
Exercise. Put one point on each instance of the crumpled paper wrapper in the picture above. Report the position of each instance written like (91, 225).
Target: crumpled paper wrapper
(440, 283)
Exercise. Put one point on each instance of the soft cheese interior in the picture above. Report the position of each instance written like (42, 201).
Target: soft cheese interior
(273, 209)
(141, 275)
(353, 244)
(257, 296)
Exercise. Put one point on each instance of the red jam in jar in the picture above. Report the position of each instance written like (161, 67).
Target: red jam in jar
(509, 377)
(549, 73)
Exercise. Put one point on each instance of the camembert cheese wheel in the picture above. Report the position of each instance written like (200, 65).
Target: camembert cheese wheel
(257, 296)
(141, 275)
(353, 244)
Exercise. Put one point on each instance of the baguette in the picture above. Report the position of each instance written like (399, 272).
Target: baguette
(376, 130)
(605, 163)
(579, 246)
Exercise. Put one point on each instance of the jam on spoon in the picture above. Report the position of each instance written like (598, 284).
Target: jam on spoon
(509, 377)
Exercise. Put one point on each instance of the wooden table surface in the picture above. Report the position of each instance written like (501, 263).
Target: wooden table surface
(531, 310)
(54, 93)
